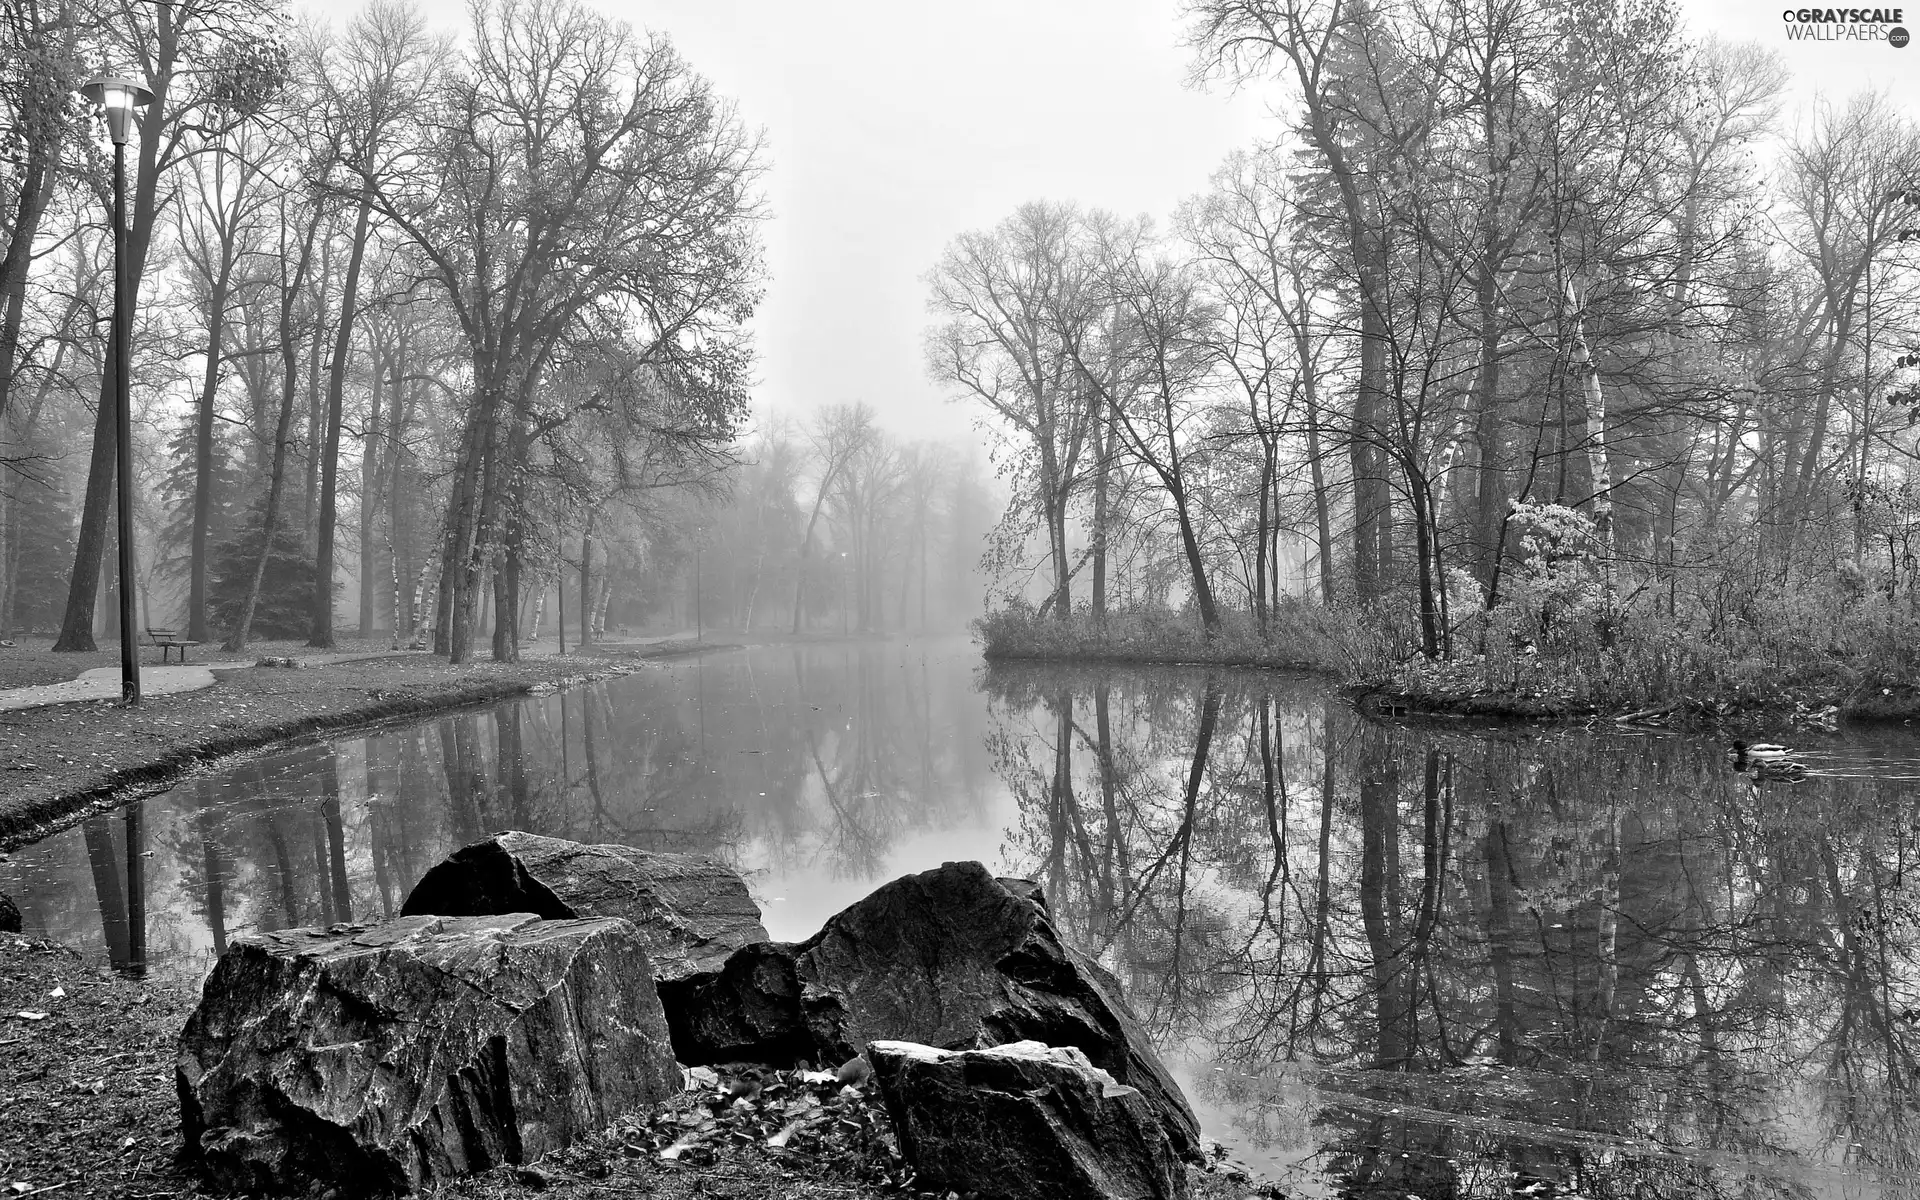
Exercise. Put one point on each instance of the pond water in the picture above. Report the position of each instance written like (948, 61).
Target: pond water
(1384, 962)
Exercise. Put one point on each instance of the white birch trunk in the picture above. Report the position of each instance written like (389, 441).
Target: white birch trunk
(600, 608)
(1597, 462)
(393, 570)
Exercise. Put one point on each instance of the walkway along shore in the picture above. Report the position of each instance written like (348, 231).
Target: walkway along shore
(60, 761)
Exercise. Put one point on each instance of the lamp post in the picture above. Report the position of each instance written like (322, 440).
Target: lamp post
(118, 97)
(846, 594)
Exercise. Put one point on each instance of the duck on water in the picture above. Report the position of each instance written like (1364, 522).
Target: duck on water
(1765, 758)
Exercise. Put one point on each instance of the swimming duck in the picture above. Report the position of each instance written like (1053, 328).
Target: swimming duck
(1765, 759)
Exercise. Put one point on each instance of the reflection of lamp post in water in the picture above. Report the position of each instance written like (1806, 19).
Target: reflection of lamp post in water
(118, 97)
(136, 888)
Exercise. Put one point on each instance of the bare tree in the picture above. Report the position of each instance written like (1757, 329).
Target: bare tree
(838, 434)
(582, 175)
(1013, 301)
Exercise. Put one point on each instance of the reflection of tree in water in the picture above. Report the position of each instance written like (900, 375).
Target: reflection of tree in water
(1498, 957)
(816, 759)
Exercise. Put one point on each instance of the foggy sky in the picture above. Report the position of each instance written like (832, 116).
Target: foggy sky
(893, 125)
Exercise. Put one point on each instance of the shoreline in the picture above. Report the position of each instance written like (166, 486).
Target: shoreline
(1125, 658)
(1385, 701)
(246, 712)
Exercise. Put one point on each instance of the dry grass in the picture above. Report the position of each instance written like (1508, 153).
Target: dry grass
(31, 661)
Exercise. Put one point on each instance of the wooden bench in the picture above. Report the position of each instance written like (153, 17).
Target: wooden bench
(167, 640)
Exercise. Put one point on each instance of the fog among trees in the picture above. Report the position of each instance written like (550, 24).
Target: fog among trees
(1545, 310)
(423, 324)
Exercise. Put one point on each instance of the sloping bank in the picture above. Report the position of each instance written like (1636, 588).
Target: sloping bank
(64, 760)
(1866, 703)
(1301, 638)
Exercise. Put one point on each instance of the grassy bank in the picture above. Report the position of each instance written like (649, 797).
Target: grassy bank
(1298, 637)
(1823, 652)
(1820, 653)
(61, 760)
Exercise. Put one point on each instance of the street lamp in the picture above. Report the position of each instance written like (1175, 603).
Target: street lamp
(118, 97)
(846, 594)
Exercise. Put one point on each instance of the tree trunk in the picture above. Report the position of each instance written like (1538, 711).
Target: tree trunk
(372, 464)
(1196, 565)
(282, 438)
(459, 572)
(1490, 486)
(203, 456)
(506, 633)
(1055, 502)
(586, 581)
(1372, 529)
(601, 605)
(1425, 545)
(1102, 453)
(321, 634)
(83, 586)
(36, 189)
(1260, 539)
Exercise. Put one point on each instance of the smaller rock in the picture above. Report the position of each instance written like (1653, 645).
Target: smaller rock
(855, 1071)
(535, 1178)
(1024, 1121)
(950, 957)
(692, 910)
(9, 916)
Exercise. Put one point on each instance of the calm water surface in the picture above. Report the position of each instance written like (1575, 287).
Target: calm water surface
(1385, 963)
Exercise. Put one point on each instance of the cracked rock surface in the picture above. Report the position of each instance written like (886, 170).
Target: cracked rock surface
(391, 1057)
(691, 910)
(1024, 1121)
(951, 958)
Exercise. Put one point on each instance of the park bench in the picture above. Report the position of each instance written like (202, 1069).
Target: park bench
(167, 640)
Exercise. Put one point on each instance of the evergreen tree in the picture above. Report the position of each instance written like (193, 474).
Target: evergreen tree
(285, 589)
(176, 494)
(43, 527)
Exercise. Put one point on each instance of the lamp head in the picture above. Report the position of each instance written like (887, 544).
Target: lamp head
(118, 96)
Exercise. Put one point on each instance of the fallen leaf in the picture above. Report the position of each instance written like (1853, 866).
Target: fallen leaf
(685, 1143)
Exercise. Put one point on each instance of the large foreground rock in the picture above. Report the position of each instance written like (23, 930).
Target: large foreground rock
(390, 1057)
(692, 910)
(951, 958)
(1024, 1122)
